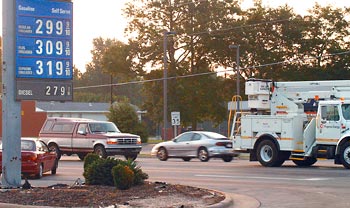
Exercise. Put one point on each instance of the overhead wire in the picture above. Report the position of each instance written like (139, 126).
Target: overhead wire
(213, 72)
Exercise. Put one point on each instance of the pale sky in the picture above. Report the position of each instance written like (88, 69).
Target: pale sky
(103, 18)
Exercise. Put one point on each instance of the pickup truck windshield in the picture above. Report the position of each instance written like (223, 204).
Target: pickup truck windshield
(346, 111)
(103, 128)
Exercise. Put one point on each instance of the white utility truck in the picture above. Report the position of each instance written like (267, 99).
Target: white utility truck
(302, 121)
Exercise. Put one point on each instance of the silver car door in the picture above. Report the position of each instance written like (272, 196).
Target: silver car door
(194, 144)
(181, 145)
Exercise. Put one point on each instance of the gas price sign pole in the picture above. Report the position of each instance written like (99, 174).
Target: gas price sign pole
(37, 65)
(44, 66)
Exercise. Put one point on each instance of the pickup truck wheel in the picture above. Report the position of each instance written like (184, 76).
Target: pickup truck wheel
(54, 168)
(345, 155)
(54, 148)
(267, 154)
(100, 151)
(41, 171)
(130, 157)
(82, 156)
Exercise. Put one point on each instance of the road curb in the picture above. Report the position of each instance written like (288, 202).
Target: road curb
(245, 201)
(230, 201)
(226, 203)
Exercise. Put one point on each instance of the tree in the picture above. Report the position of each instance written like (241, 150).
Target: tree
(95, 75)
(187, 51)
(111, 64)
(125, 117)
(326, 34)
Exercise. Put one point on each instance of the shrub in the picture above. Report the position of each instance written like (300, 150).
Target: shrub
(89, 159)
(99, 172)
(139, 175)
(123, 176)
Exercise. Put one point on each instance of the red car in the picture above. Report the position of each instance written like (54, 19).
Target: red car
(36, 158)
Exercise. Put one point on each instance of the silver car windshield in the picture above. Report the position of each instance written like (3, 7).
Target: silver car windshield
(214, 135)
(103, 128)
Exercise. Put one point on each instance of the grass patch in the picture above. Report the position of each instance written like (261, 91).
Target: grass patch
(152, 141)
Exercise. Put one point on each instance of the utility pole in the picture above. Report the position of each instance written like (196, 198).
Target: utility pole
(237, 72)
(165, 81)
(11, 109)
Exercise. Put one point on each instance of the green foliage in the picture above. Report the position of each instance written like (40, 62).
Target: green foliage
(273, 37)
(125, 117)
(141, 130)
(89, 159)
(275, 43)
(123, 176)
(139, 175)
(110, 64)
(99, 172)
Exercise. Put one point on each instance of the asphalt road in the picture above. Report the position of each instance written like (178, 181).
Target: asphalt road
(324, 185)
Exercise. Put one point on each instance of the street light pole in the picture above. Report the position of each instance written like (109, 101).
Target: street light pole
(111, 89)
(165, 81)
(237, 71)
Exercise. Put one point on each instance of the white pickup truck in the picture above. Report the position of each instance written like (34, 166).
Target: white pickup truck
(82, 136)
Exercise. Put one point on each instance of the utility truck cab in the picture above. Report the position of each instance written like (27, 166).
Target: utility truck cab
(301, 121)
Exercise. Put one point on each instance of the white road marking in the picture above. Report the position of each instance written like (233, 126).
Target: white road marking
(265, 178)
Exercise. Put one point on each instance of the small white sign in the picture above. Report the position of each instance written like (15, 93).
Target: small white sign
(175, 118)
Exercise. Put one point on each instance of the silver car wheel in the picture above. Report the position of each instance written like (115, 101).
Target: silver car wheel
(203, 155)
(162, 154)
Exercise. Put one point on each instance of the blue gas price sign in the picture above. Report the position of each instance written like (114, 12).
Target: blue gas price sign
(44, 50)
(44, 34)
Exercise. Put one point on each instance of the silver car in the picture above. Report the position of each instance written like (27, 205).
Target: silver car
(195, 144)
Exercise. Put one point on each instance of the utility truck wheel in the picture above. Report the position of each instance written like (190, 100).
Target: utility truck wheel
(305, 163)
(345, 155)
(268, 154)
